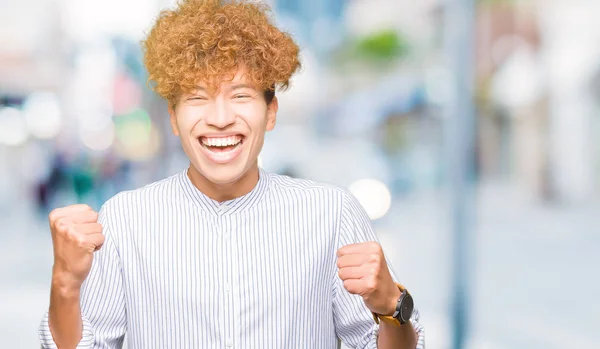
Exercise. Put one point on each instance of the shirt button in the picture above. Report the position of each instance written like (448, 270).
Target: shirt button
(227, 287)
(229, 342)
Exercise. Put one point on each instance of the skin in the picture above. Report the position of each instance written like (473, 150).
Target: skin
(236, 108)
(364, 271)
(76, 234)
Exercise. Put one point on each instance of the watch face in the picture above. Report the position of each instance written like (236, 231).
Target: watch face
(407, 307)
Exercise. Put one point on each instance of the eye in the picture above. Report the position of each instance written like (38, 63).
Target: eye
(197, 98)
(242, 96)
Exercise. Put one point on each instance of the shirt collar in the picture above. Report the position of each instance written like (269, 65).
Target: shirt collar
(230, 206)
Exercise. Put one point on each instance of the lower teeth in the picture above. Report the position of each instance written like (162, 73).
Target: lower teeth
(220, 148)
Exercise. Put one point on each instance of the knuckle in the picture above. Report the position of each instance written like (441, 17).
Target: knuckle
(371, 285)
(347, 284)
(377, 248)
(61, 224)
(378, 258)
(72, 232)
(374, 258)
(53, 215)
(81, 241)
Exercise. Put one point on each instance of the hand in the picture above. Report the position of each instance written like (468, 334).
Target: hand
(364, 271)
(76, 235)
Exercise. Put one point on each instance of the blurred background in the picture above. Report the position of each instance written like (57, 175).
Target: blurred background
(473, 142)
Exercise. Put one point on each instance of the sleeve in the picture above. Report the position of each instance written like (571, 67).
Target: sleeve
(354, 322)
(102, 299)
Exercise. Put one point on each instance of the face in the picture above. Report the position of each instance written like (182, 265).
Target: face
(223, 132)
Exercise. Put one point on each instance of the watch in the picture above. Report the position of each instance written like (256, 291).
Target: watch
(404, 309)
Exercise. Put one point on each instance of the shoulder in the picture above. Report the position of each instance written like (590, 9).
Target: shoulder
(301, 188)
(158, 193)
(287, 183)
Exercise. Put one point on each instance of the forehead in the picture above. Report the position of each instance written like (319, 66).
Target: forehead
(235, 79)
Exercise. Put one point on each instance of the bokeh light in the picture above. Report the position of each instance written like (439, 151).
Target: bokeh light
(137, 138)
(373, 195)
(43, 115)
(96, 120)
(13, 130)
(98, 139)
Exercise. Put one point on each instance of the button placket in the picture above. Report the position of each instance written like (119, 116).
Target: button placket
(234, 274)
(227, 282)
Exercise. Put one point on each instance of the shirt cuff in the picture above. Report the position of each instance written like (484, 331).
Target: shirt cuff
(416, 325)
(419, 329)
(369, 341)
(45, 336)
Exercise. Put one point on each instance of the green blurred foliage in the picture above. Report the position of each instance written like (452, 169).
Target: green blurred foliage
(386, 44)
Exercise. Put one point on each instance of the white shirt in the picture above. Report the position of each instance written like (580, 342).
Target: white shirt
(180, 270)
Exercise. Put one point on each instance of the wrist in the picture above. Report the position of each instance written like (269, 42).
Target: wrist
(393, 301)
(65, 286)
(403, 309)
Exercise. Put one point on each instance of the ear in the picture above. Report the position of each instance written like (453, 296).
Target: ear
(272, 113)
(173, 119)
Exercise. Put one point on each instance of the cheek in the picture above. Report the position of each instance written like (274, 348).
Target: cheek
(187, 120)
(253, 115)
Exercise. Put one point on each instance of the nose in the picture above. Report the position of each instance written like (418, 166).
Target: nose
(221, 116)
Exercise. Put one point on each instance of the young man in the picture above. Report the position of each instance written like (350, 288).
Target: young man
(223, 254)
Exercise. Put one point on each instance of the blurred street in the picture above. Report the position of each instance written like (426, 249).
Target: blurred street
(384, 106)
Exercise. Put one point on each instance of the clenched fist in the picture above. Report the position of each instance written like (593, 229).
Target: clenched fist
(364, 271)
(76, 235)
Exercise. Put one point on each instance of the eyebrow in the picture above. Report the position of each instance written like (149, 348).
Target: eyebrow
(234, 87)
(238, 86)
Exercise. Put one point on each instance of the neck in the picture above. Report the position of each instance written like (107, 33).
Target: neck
(224, 192)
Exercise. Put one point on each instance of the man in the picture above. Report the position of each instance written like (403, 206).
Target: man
(223, 254)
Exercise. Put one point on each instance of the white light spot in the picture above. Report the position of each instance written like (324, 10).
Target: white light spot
(373, 195)
(98, 139)
(43, 115)
(13, 130)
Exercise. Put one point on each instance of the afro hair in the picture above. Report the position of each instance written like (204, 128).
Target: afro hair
(208, 40)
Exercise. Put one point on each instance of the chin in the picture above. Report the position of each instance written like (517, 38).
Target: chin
(222, 174)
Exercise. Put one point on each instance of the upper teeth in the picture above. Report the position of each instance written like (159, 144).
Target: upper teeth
(221, 141)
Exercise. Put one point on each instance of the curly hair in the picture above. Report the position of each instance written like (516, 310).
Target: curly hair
(208, 40)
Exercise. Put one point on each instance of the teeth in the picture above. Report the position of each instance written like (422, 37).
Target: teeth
(221, 141)
(222, 154)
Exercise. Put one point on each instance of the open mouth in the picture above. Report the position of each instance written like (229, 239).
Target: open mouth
(222, 146)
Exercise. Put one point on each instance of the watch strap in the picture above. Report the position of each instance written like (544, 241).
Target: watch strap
(392, 320)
